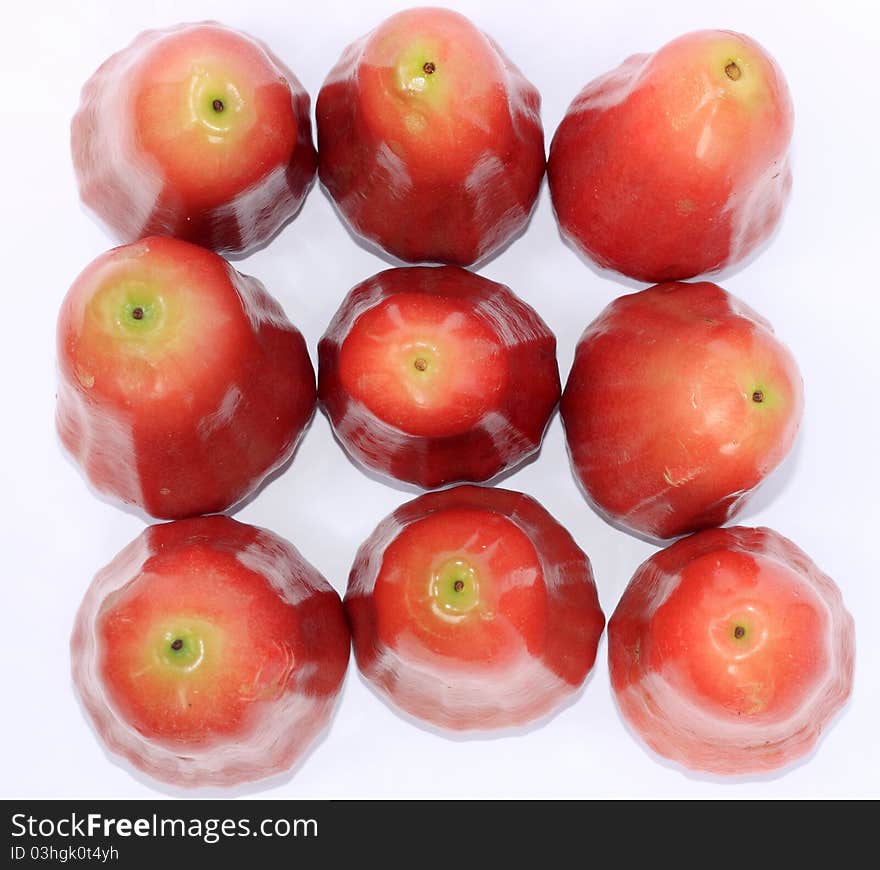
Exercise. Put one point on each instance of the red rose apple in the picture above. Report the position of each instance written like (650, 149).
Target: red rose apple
(430, 139)
(472, 608)
(676, 163)
(209, 652)
(679, 403)
(433, 375)
(730, 651)
(198, 132)
(182, 383)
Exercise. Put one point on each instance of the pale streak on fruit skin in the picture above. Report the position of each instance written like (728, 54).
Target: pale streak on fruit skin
(692, 734)
(287, 716)
(488, 697)
(125, 190)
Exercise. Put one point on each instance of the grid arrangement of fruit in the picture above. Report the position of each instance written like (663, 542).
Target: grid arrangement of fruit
(210, 651)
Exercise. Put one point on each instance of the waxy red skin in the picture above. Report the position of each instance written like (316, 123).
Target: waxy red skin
(269, 701)
(200, 431)
(516, 667)
(463, 186)
(660, 172)
(138, 184)
(697, 694)
(506, 421)
(659, 409)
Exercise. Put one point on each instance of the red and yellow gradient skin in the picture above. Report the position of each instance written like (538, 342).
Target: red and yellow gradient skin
(197, 132)
(730, 651)
(680, 402)
(209, 652)
(472, 608)
(187, 408)
(433, 375)
(430, 139)
(676, 163)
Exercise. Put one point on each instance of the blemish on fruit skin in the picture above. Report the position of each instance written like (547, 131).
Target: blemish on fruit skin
(164, 491)
(86, 379)
(685, 206)
(415, 122)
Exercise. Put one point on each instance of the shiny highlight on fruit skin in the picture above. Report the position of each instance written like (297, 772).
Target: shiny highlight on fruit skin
(679, 403)
(731, 652)
(430, 140)
(676, 163)
(471, 608)
(154, 155)
(434, 375)
(188, 407)
(209, 653)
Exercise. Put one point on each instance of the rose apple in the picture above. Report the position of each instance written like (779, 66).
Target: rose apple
(434, 374)
(430, 140)
(209, 652)
(676, 163)
(679, 403)
(730, 651)
(182, 383)
(472, 608)
(198, 132)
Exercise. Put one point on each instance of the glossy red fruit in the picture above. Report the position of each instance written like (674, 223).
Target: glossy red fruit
(194, 131)
(430, 139)
(182, 384)
(730, 651)
(676, 163)
(680, 402)
(435, 375)
(209, 652)
(472, 608)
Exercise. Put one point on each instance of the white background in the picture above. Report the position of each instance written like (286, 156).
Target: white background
(817, 283)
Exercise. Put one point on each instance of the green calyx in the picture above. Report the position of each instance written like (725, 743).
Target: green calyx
(136, 308)
(215, 102)
(132, 310)
(141, 314)
(740, 633)
(455, 588)
(182, 648)
(762, 396)
(420, 74)
(421, 362)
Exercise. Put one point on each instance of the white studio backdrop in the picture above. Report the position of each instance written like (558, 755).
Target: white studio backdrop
(816, 282)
